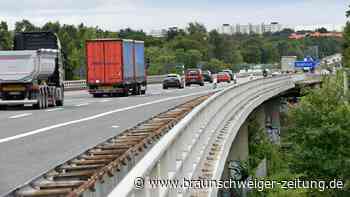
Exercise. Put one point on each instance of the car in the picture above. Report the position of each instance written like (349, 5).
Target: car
(194, 76)
(276, 73)
(173, 80)
(223, 77)
(251, 77)
(208, 76)
(230, 73)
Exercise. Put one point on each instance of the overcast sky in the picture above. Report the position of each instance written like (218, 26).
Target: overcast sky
(158, 14)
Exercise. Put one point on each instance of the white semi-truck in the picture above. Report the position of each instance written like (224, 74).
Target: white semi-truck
(32, 73)
(287, 63)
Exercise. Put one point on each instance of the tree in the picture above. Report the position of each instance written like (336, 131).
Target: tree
(319, 135)
(196, 28)
(25, 26)
(173, 32)
(5, 37)
(217, 43)
(237, 57)
(194, 57)
(129, 33)
(346, 46)
(269, 54)
(284, 33)
(322, 30)
(251, 51)
(214, 65)
(52, 26)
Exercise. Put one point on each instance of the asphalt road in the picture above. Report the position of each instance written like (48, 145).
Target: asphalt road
(34, 141)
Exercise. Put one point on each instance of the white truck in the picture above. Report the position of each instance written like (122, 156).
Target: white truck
(287, 63)
(33, 72)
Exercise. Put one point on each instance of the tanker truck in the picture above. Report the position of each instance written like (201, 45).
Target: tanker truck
(32, 73)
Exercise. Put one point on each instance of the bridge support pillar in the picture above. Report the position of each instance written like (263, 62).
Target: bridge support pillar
(273, 123)
(239, 150)
(260, 116)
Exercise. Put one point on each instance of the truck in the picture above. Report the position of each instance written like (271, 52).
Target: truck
(33, 72)
(287, 63)
(115, 67)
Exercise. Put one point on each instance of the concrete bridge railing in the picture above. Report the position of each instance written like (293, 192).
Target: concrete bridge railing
(81, 84)
(184, 151)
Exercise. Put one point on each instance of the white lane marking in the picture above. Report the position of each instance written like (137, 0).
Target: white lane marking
(82, 104)
(45, 129)
(115, 126)
(75, 100)
(55, 109)
(20, 115)
(105, 100)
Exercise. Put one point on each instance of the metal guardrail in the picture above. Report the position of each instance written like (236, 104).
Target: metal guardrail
(81, 84)
(183, 151)
(75, 85)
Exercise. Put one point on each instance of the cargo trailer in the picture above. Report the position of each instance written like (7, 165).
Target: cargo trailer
(115, 67)
(33, 72)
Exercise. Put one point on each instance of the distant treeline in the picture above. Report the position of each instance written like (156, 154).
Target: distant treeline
(193, 46)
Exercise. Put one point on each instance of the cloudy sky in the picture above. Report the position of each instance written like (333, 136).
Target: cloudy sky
(157, 14)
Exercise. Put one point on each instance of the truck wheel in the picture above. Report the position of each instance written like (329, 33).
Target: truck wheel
(46, 100)
(97, 95)
(136, 90)
(54, 101)
(39, 105)
(60, 101)
(139, 91)
(53, 97)
(125, 92)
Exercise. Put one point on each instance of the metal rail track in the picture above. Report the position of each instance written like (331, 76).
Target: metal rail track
(83, 172)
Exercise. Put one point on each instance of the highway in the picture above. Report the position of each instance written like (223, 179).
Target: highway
(35, 141)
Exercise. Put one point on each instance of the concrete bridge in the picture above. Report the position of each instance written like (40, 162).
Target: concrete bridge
(204, 144)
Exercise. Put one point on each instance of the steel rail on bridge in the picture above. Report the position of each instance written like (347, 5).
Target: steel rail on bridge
(183, 151)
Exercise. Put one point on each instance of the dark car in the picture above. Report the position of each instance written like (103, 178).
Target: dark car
(173, 80)
(208, 76)
(194, 76)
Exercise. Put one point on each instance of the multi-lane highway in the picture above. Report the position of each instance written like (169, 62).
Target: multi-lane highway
(34, 141)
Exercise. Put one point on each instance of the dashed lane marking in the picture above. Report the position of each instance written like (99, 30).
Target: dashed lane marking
(20, 115)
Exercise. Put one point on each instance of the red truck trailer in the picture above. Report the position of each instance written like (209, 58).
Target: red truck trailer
(115, 67)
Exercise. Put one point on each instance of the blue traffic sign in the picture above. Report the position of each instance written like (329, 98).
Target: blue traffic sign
(307, 63)
(303, 64)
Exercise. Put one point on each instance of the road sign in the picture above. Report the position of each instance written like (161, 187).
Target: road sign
(305, 64)
(308, 62)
